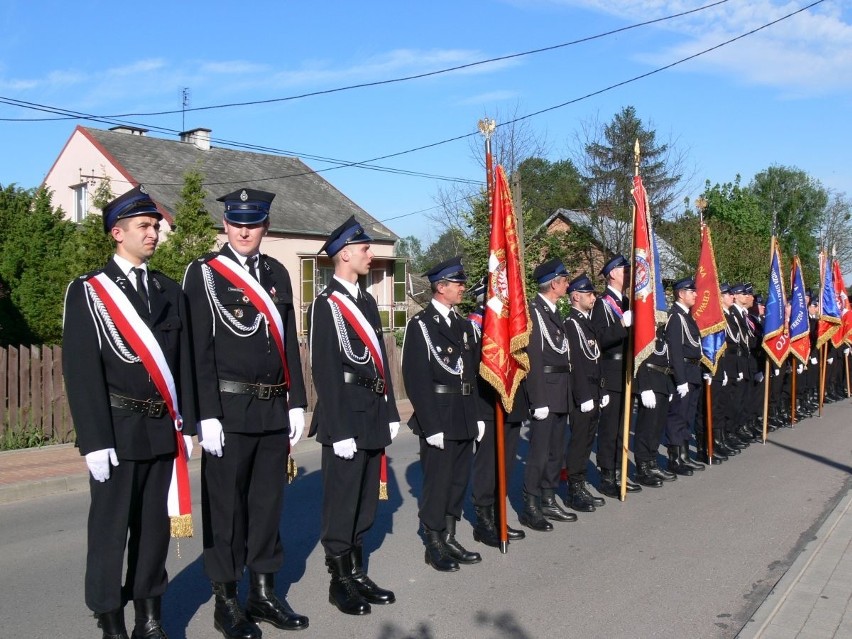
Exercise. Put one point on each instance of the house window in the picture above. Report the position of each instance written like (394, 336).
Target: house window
(81, 202)
(400, 315)
(308, 290)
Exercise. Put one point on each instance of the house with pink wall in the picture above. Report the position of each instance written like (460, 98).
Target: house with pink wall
(306, 207)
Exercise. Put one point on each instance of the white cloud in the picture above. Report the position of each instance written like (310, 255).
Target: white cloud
(804, 54)
(489, 98)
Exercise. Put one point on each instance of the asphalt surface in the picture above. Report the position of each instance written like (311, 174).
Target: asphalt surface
(704, 556)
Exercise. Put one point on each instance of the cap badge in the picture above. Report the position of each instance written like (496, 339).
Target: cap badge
(142, 189)
(243, 195)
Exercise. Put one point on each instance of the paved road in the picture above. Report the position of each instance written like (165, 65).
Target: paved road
(695, 558)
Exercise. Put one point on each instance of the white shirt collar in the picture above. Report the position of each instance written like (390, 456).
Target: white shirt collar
(550, 304)
(125, 265)
(351, 287)
(441, 308)
(616, 294)
(685, 310)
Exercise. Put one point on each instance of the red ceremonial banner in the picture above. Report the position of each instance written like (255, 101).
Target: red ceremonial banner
(644, 279)
(506, 326)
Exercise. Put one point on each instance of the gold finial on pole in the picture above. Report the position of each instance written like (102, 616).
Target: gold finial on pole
(486, 127)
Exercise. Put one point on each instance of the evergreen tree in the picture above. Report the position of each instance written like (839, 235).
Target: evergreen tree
(193, 233)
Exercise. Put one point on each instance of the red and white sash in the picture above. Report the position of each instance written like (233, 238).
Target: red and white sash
(361, 326)
(240, 278)
(140, 338)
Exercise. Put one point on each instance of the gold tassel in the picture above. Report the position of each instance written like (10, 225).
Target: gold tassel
(181, 526)
(383, 490)
(292, 469)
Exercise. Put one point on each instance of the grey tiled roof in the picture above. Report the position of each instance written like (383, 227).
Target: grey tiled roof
(305, 203)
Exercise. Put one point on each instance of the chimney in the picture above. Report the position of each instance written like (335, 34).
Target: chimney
(199, 137)
(130, 130)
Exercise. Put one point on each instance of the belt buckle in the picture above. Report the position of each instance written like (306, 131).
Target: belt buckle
(156, 409)
(379, 386)
(465, 388)
(264, 391)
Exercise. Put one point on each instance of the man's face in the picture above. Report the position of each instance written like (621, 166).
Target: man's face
(245, 238)
(687, 297)
(452, 292)
(583, 301)
(727, 300)
(560, 286)
(616, 277)
(359, 256)
(137, 237)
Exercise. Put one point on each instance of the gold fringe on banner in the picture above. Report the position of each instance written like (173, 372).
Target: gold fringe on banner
(383, 490)
(292, 469)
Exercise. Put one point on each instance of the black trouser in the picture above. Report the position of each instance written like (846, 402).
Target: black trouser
(681, 416)
(583, 429)
(737, 399)
(349, 499)
(545, 453)
(445, 476)
(242, 493)
(484, 483)
(609, 431)
(130, 509)
(650, 423)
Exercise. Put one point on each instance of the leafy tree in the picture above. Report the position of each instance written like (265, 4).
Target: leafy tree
(91, 248)
(547, 186)
(193, 233)
(412, 248)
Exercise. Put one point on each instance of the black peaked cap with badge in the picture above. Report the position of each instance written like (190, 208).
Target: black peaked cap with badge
(617, 261)
(581, 284)
(686, 283)
(350, 232)
(549, 270)
(135, 202)
(247, 206)
(451, 270)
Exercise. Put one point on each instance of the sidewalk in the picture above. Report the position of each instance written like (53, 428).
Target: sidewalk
(814, 597)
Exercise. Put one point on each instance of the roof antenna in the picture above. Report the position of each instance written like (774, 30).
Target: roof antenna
(184, 94)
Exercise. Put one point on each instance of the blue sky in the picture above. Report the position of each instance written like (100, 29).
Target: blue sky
(780, 96)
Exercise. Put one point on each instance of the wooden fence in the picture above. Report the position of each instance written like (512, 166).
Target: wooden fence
(32, 389)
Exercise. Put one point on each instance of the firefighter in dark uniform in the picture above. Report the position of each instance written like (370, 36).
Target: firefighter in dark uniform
(611, 319)
(251, 398)
(549, 392)
(484, 480)
(742, 302)
(440, 376)
(725, 439)
(654, 385)
(123, 428)
(587, 396)
(684, 344)
(355, 417)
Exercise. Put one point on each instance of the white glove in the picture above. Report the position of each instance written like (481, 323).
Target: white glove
(394, 430)
(345, 448)
(436, 440)
(813, 360)
(541, 413)
(604, 401)
(297, 425)
(627, 319)
(707, 379)
(830, 360)
(758, 377)
(481, 427)
(739, 377)
(649, 399)
(187, 441)
(845, 351)
(724, 378)
(98, 462)
(777, 372)
(682, 389)
(212, 438)
(587, 406)
(800, 368)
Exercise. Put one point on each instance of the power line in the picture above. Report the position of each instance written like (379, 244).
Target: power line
(408, 78)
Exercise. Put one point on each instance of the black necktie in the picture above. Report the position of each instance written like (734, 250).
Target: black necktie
(140, 286)
(252, 264)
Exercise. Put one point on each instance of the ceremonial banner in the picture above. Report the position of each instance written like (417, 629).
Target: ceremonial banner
(829, 314)
(800, 343)
(506, 327)
(707, 311)
(647, 283)
(842, 306)
(776, 333)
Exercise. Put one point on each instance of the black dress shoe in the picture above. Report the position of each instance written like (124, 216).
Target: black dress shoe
(343, 591)
(112, 624)
(453, 548)
(228, 617)
(579, 498)
(531, 516)
(677, 466)
(148, 625)
(513, 534)
(645, 477)
(662, 473)
(631, 487)
(264, 605)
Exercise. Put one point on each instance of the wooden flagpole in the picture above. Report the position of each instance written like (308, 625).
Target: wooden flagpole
(627, 400)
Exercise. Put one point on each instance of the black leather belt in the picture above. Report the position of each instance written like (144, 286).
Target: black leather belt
(261, 391)
(665, 370)
(556, 369)
(613, 355)
(462, 389)
(375, 384)
(150, 407)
